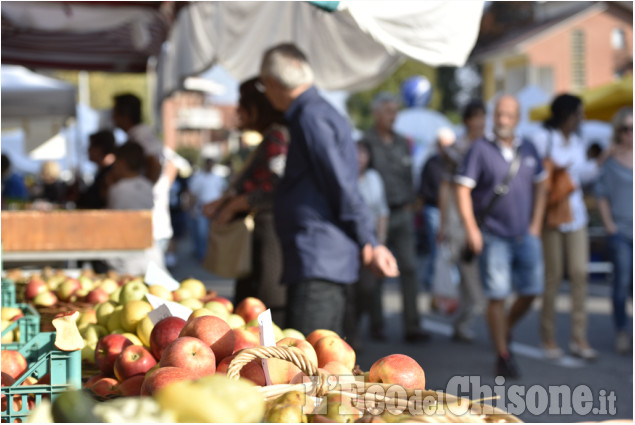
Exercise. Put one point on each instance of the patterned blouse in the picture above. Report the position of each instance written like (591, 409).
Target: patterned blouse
(263, 169)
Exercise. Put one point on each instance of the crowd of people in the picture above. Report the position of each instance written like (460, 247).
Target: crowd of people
(334, 216)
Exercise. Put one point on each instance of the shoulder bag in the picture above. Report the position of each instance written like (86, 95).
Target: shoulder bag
(559, 187)
(229, 246)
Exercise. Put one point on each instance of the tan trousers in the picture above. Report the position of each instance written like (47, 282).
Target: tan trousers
(559, 248)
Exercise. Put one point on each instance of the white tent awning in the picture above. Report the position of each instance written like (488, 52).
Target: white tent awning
(353, 48)
(26, 94)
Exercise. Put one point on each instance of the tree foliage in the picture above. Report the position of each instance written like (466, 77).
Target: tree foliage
(359, 103)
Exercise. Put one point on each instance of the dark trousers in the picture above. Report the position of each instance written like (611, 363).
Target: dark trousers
(316, 304)
(402, 244)
(363, 297)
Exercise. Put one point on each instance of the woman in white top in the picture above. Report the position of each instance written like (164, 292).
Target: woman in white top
(365, 295)
(567, 243)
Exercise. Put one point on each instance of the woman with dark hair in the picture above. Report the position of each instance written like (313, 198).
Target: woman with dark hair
(251, 191)
(566, 243)
(614, 190)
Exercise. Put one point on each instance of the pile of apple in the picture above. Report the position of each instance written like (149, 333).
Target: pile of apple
(13, 366)
(10, 315)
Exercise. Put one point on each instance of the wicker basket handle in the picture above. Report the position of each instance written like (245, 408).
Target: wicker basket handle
(291, 354)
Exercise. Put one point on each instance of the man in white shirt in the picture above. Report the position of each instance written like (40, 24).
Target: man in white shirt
(206, 186)
(130, 191)
(160, 171)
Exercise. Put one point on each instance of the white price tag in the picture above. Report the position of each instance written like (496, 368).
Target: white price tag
(159, 313)
(267, 339)
(157, 276)
(172, 309)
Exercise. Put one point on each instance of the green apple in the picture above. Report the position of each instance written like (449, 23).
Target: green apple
(213, 398)
(277, 332)
(195, 287)
(88, 352)
(132, 291)
(192, 303)
(235, 321)
(93, 333)
(108, 285)
(218, 309)
(103, 312)
(87, 283)
(116, 294)
(114, 320)
(293, 333)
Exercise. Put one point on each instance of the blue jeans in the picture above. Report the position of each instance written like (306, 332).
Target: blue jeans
(431, 219)
(199, 235)
(621, 251)
(507, 262)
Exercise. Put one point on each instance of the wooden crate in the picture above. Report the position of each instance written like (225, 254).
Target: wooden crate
(90, 230)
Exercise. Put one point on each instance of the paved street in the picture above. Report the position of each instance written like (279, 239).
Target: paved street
(443, 359)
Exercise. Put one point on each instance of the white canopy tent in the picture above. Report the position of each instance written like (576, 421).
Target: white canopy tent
(352, 48)
(27, 94)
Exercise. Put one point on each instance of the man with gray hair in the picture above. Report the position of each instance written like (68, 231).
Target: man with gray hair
(390, 155)
(321, 218)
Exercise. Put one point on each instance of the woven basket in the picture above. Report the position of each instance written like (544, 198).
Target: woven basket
(477, 412)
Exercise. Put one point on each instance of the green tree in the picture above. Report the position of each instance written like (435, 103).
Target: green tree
(359, 103)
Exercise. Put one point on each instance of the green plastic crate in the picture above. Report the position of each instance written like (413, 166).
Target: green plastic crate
(29, 326)
(43, 358)
(8, 293)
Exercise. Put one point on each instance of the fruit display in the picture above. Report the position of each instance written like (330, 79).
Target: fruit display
(206, 366)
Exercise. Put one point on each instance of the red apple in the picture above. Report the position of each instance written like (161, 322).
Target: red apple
(7, 380)
(301, 344)
(337, 368)
(45, 299)
(45, 380)
(333, 348)
(104, 387)
(250, 308)
(93, 379)
(133, 360)
(34, 287)
(97, 295)
(318, 334)
(228, 304)
(66, 290)
(131, 387)
(245, 339)
(108, 349)
(190, 353)
(213, 331)
(398, 369)
(13, 363)
(164, 376)
(252, 370)
(163, 333)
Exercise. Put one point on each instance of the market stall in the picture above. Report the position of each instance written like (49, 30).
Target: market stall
(135, 334)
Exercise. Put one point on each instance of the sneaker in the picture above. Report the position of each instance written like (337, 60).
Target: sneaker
(552, 353)
(506, 367)
(623, 343)
(586, 353)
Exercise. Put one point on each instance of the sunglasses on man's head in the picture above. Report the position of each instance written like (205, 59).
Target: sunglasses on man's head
(626, 128)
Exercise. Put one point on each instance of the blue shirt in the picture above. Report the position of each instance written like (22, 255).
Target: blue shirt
(13, 188)
(484, 167)
(320, 216)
